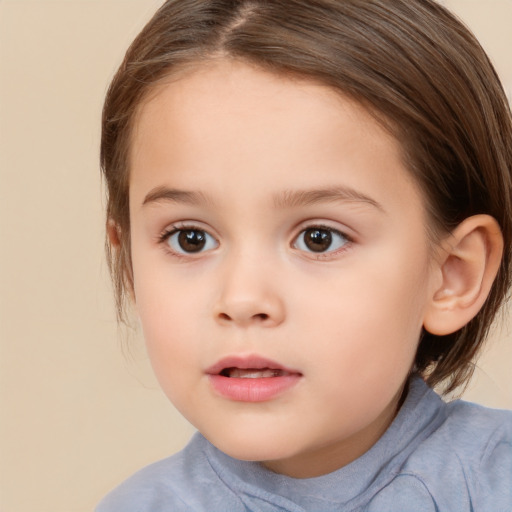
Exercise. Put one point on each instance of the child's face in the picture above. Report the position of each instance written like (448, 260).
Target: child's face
(302, 253)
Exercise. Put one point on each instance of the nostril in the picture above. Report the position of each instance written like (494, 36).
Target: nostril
(261, 317)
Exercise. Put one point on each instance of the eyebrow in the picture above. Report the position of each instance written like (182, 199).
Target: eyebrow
(174, 195)
(285, 199)
(296, 198)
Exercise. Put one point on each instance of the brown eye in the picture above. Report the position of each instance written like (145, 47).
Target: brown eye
(317, 240)
(191, 241)
(320, 240)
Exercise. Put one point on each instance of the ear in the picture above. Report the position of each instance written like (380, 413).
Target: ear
(113, 234)
(121, 254)
(469, 261)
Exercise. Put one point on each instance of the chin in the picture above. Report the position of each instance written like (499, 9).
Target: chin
(252, 448)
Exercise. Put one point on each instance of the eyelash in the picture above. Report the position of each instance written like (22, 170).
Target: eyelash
(165, 237)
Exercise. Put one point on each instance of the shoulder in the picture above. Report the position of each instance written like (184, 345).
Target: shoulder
(464, 464)
(480, 440)
(144, 490)
(171, 484)
(151, 488)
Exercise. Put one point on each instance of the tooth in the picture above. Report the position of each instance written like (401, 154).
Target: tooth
(239, 373)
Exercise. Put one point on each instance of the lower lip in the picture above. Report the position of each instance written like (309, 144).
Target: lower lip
(253, 390)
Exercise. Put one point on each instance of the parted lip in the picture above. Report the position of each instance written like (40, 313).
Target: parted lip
(252, 362)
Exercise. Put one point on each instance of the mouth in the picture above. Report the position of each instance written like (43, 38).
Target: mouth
(253, 373)
(251, 379)
(249, 367)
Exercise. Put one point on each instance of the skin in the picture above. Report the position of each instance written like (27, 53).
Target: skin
(242, 143)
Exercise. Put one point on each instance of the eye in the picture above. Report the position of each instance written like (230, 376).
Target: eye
(320, 240)
(190, 240)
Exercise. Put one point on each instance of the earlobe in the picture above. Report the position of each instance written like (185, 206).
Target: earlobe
(470, 259)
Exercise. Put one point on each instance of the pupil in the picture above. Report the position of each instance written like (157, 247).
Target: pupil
(318, 240)
(192, 240)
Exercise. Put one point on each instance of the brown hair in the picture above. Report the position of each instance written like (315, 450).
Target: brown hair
(410, 62)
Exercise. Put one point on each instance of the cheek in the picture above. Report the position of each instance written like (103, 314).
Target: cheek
(366, 321)
(160, 307)
(369, 297)
(159, 299)
(168, 324)
(171, 345)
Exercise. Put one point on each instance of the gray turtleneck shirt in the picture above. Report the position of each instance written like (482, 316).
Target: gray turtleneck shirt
(435, 457)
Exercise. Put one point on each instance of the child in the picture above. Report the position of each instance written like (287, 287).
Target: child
(310, 206)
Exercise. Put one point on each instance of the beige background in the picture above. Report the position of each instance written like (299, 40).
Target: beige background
(79, 413)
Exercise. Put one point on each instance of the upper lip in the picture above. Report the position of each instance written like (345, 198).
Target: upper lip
(251, 362)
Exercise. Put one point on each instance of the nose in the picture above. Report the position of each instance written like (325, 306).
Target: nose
(249, 296)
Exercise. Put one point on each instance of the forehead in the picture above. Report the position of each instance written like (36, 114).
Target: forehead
(230, 118)
(225, 91)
